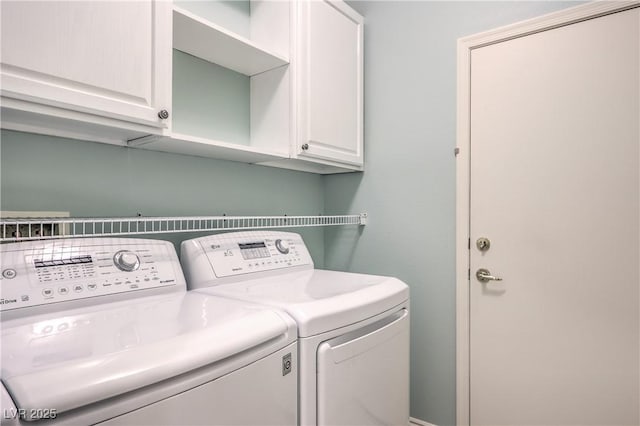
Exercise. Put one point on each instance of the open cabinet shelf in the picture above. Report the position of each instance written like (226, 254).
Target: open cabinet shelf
(231, 92)
(210, 148)
(198, 37)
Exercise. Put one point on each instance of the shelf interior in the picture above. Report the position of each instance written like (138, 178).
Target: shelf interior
(210, 101)
(234, 15)
(204, 39)
(231, 92)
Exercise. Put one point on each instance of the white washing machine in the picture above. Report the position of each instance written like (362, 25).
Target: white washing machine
(104, 331)
(353, 329)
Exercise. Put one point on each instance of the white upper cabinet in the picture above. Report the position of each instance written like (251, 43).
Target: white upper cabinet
(277, 83)
(90, 61)
(329, 83)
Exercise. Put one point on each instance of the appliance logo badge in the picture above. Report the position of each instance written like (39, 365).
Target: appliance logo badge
(7, 301)
(286, 364)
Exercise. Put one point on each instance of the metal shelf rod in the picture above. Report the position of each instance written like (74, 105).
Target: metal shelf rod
(25, 229)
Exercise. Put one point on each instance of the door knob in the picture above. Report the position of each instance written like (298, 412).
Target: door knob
(484, 276)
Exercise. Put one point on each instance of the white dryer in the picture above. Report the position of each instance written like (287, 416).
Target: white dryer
(353, 328)
(104, 331)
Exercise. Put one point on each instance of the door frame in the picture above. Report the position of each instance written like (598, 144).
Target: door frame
(463, 146)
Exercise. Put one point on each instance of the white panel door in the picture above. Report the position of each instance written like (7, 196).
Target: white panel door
(555, 187)
(110, 58)
(330, 82)
(363, 377)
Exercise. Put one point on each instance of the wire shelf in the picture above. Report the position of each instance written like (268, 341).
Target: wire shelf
(26, 229)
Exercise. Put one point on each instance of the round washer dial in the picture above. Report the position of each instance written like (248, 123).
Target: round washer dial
(282, 246)
(126, 260)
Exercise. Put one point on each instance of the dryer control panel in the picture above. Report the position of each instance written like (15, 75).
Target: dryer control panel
(242, 253)
(44, 272)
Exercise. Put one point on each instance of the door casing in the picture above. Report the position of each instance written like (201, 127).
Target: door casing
(463, 147)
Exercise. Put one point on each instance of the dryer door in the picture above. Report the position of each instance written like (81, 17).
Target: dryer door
(363, 376)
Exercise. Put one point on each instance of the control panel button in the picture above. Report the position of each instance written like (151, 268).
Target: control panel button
(9, 273)
(126, 260)
(282, 246)
(92, 286)
(78, 288)
(47, 292)
(63, 290)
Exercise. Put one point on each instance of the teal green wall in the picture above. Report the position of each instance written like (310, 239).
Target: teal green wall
(408, 187)
(210, 101)
(234, 15)
(91, 179)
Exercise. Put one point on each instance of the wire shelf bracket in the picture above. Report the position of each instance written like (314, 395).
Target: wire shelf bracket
(27, 229)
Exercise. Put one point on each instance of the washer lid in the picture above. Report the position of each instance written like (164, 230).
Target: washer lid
(321, 300)
(87, 355)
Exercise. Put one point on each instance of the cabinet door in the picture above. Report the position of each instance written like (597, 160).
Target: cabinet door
(330, 82)
(109, 58)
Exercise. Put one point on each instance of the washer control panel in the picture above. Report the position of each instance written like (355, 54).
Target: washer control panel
(43, 272)
(240, 253)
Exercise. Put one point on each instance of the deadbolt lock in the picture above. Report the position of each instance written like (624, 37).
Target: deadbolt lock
(483, 244)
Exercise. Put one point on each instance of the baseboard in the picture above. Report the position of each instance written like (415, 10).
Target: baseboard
(418, 422)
